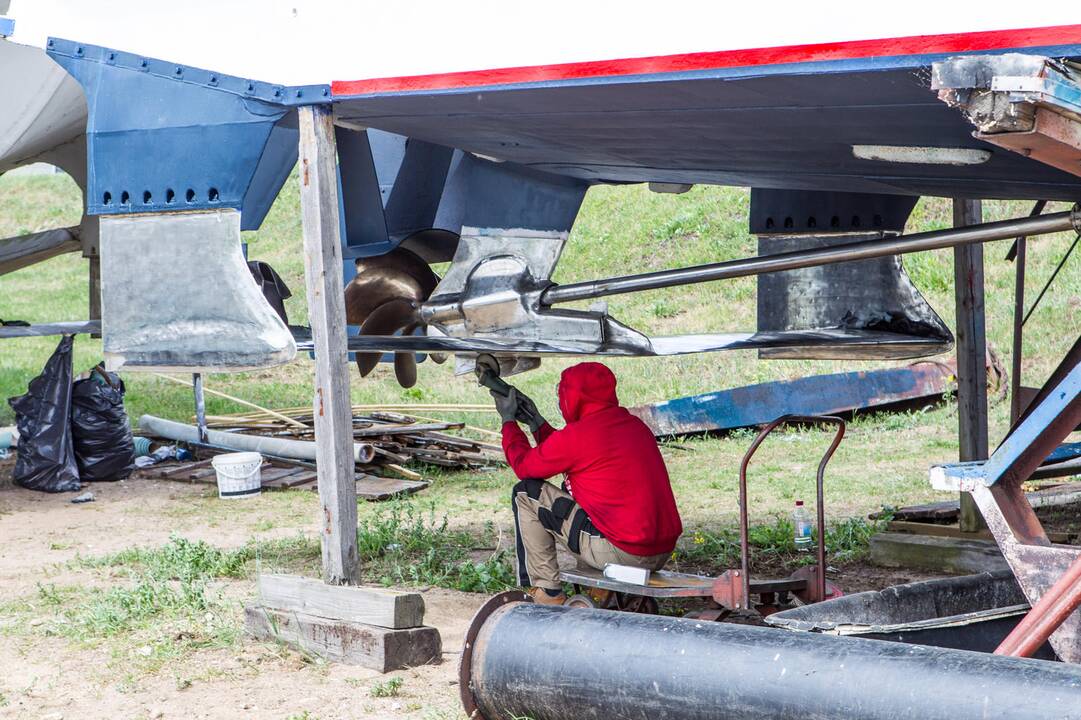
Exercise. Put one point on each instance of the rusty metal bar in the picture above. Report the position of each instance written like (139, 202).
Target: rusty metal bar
(1018, 254)
(744, 529)
(1057, 604)
(897, 245)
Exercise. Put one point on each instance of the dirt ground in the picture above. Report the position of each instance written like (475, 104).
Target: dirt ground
(49, 677)
(43, 676)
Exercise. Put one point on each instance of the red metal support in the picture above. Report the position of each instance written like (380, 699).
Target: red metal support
(1057, 604)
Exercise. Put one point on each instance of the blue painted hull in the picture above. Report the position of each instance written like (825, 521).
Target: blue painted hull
(785, 126)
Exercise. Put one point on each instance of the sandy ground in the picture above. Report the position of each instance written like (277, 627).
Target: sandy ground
(48, 677)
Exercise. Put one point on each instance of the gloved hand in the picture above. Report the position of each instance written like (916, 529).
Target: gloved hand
(528, 413)
(506, 405)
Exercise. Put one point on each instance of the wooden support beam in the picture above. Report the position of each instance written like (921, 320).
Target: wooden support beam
(377, 648)
(326, 312)
(937, 554)
(971, 352)
(94, 309)
(385, 608)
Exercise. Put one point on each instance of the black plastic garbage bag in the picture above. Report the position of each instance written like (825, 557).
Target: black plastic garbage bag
(104, 448)
(46, 457)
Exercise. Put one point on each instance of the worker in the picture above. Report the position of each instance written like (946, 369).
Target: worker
(616, 504)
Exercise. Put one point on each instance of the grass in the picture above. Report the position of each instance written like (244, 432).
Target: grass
(151, 605)
(405, 543)
(706, 550)
(389, 688)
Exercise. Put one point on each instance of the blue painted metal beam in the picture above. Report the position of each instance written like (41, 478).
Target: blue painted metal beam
(753, 405)
(1028, 445)
(166, 137)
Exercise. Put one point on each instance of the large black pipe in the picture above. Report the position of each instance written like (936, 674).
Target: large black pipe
(558, 663)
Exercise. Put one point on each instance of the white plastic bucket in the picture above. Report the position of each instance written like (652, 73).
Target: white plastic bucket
(238, 474)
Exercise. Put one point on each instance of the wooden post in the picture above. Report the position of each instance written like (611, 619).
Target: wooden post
(971, 353)
(95, 291)
(326, 312)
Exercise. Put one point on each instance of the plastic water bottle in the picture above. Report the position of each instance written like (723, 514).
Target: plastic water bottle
(801, 523)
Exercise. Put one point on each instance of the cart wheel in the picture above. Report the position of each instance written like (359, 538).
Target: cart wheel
(636, 604)
(580, 600)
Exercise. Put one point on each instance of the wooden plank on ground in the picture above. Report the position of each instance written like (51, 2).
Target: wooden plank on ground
(380, 649)
(952, 530)
(385, 608)
(283, 481)
(938, 554)
(171, 471)
(377, 489)
(1060, 494)
(271, 473)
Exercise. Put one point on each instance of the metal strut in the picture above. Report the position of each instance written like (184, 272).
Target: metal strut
(899, 245)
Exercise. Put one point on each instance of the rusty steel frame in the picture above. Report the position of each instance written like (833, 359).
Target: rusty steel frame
(744, 530)
(996, 487)
(1046, 616)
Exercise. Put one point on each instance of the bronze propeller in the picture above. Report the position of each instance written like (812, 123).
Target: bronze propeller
(385, 298)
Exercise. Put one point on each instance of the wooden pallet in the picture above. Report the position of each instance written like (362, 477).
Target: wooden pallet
(277, 476)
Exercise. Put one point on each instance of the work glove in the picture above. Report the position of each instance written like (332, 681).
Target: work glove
(506, 405)
(528, 413)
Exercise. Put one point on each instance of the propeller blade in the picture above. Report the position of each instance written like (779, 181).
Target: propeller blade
(405, 369)
(398, 275)
(386, 319)
(366, 362)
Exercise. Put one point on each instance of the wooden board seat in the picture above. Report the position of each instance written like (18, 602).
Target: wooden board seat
(662, 583)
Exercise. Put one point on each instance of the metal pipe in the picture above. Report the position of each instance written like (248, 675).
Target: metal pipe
(281, 447)
(898, 245)
(1018, 328)
(200, 406)
(1017, 254)
(1057, 604)
(557, 663)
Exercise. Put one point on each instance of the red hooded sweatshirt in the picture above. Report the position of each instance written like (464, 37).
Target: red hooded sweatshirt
(613, 465)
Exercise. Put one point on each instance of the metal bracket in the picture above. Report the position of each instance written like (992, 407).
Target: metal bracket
(493, 291)
(162, 310)
(220, 142)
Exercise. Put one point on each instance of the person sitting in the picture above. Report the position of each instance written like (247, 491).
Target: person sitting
(616, 504)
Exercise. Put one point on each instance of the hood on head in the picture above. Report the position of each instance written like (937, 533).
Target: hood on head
(586, 388)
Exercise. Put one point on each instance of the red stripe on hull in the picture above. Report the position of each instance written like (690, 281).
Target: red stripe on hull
(913, 45)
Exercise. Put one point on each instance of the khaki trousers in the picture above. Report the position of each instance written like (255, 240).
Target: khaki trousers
(545, 515)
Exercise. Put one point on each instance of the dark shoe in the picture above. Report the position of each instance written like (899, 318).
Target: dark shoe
(541, 597)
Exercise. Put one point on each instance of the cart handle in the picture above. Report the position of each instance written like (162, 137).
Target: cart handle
(744, 540)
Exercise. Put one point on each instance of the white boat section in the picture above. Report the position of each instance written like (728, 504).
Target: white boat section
(313, 42)
(43, 107)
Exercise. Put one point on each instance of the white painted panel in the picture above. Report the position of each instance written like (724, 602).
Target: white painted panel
(302, 42)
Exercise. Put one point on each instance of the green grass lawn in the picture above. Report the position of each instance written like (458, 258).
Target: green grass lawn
(621, 230)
